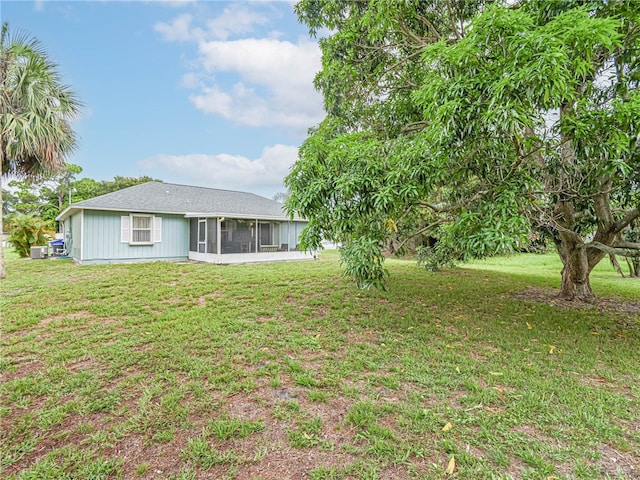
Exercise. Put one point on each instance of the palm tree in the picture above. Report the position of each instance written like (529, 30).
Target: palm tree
(36, 110)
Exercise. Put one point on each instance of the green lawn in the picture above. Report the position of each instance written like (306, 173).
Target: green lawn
(185, 371)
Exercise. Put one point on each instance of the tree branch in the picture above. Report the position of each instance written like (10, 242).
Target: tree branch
(419, 42)
(431, 226)
(430, 25)
(628, 218)
(416, 126)
(452, 21)
(457, 206)
(628, 245)
(623, 252)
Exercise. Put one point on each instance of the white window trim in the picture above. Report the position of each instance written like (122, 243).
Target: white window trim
(156, 233)
(150, 229)
(126, 229)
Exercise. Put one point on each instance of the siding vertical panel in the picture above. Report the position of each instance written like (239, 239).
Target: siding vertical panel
(76, 224)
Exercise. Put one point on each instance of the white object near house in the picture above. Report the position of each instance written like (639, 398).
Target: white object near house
(163, 221)
(38, 252)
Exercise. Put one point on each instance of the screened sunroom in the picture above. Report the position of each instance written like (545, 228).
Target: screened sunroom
(237, 240)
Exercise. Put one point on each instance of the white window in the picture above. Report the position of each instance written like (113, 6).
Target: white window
(138, 229)
(141, 229)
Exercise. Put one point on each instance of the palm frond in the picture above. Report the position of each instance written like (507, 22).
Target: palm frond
(36, 108)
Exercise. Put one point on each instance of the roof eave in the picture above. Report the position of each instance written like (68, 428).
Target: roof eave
(66, 213)
(242, 216)
(68, 210)
(72, 209)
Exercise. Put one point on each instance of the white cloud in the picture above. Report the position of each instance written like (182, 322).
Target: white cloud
(191, 80)
(258, 82)
(275, 82)
(263, 175)
(235, 19)
(179, 30)
(174, 3)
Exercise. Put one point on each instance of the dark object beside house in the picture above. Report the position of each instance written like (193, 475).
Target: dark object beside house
(56, 247)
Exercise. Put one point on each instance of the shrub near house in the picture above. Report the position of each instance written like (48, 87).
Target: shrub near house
(27, 230)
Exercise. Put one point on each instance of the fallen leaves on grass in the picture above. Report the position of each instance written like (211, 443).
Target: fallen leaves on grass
(451, 467)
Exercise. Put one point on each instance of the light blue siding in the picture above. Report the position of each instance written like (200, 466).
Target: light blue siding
(76, 235)
(102, 239)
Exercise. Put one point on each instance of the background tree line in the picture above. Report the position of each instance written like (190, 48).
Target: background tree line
(49, 196)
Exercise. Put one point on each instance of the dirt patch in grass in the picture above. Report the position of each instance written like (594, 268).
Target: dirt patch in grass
(616, 464)
(477, 356)
(66, 316)
(145, 460)
(86, 363)
(290, 463)
(602, 382)
(65, 433)
(202, 300)
(532, 433)
(515, 468)
(24, 367)
(550, 297)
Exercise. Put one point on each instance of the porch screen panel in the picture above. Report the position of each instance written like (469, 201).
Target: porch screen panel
(193, 235)
(212, 235)
(202, 235)
(285, 242)
(293, 237)
(265, 234)
(226, 236)
(243, 236)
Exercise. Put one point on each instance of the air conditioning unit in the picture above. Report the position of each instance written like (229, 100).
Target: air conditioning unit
(38, 252)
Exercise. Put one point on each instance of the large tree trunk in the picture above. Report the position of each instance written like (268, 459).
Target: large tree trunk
(575, 271)
(575, 284)
(634, 268)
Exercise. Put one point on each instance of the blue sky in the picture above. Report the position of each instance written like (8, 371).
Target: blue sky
(209, 93)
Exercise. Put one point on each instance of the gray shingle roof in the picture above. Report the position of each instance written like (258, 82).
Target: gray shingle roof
(157, 197)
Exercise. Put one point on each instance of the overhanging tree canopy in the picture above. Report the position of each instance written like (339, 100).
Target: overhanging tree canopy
(479, 121)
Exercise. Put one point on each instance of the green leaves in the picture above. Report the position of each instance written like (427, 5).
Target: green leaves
(362, 260)
(35, 109)
(476, 125)
(27, 230)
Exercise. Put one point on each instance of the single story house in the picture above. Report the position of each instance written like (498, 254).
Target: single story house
(163, 221)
